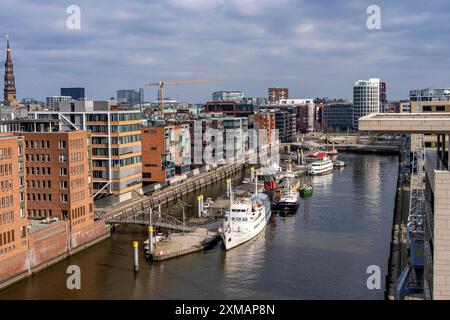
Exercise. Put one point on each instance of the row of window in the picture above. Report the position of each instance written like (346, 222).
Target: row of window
(78, 212)
(37, 157)
(6, 185)
(77, 156)
(40, 213)
(114, 117)
(7, 201)
(76, 170)
(38, 170)
(76, 144)
(430, 109)
(6, 169)
(7, 238)
(117, 140)
(37, 144)
(32, 144)
(39, 184)
(115, 128)
(78, 196)
(7, 217)
(38, 197)
(5, 153)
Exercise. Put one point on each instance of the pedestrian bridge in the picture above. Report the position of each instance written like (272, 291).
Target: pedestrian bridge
(142, 218)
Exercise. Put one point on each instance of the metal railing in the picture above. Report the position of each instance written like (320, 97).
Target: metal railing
(142, 217)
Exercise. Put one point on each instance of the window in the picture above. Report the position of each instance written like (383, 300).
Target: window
(63, 185)
(63, 171)
(64, 198)
(62, 158)
(62, 144)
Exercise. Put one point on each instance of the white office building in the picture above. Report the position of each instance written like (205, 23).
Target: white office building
(51, 102)
(366, 98)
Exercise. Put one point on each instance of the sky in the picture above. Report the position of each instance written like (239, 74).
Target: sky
(316, 48)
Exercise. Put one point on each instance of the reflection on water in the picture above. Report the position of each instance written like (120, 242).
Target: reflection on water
(321, 252)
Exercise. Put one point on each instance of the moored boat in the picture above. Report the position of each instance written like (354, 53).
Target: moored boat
(290, 197)
(321, 166)
(245, 219)
(316, 156)
(306, 191)
(339, 164)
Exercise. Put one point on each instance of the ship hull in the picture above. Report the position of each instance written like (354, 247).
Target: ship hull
(233, 239)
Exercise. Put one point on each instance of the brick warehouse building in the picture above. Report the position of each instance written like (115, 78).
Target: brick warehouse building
(166, 153)
(13, 220)
(275, 95)
(59, 183)
(58, 177)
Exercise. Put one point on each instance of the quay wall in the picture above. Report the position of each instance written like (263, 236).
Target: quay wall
(174, 192)
(398, 257)
(48, 246)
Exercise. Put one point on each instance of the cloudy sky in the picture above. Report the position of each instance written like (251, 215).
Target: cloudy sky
(316, 48)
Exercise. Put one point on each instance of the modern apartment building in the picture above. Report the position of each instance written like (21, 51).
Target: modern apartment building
(166, 153)
(231, 108)
(13, 219)
(430, 100)
(115, 142)
(404, 106)
(277, 94)
(51, 102)
(338, 116)
(58, 176)
(265, 120)
(366, 99)
(206, 134)
(75, 93)
(235, 139)
(221, 96)
(430, 94)
(131, 96)
(285, 121)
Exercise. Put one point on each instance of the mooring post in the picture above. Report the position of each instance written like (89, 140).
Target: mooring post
(136, 257)
(150, 231)
(200, 205)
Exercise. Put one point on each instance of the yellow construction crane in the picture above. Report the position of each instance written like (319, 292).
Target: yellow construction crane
(161, 85)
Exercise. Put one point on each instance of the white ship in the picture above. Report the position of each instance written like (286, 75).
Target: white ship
(321, 166)
(290, 197)
(246, 218)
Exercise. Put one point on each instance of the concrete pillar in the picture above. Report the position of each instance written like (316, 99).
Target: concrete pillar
(438, 144)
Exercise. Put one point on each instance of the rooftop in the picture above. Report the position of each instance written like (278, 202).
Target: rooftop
(406, 122)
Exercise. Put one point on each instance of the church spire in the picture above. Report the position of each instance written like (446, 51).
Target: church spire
(9, 92)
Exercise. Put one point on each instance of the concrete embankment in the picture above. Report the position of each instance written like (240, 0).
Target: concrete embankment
(398, 257)
(48, 246)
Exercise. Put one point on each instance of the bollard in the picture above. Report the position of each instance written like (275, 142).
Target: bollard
(252, 174)
(150, 231)
(136, 257)
(200, 205)
(228, 187)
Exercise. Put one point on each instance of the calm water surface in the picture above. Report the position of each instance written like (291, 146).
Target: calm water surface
(322, 252)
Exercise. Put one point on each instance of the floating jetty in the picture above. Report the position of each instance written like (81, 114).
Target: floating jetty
(180, 244)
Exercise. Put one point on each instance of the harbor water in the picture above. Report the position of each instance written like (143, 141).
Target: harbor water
(321, 252)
